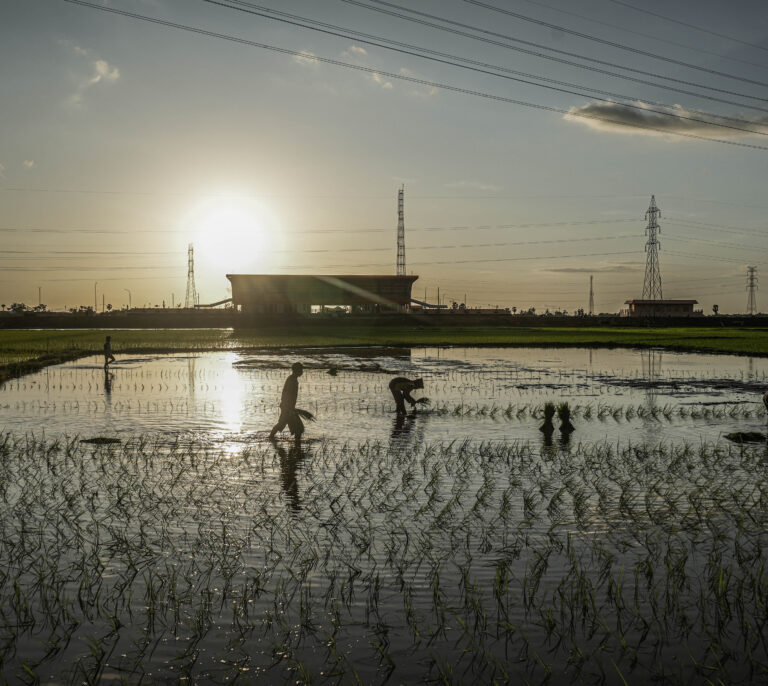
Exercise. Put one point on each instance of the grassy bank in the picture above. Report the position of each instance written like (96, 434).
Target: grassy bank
(25, 351)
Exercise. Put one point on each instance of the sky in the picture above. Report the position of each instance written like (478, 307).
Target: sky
(528, 135)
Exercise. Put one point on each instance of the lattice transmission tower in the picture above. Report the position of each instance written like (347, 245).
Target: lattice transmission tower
(652, 281)
(591, 297)
(751, 288)
(192, 297)
(401, 232)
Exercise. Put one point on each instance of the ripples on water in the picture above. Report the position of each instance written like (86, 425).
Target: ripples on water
(457, 546)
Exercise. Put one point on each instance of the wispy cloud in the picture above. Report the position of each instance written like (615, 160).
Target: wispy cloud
(101, 71)
(382, 81)
(418, 89)
(618, 118)
(306, 59)
(354, 51)
(2, 171)
(28, 164)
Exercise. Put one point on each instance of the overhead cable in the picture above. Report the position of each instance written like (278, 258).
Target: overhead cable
(478, 66)
(504, 37)
(610, 43)
(688, 25)
(409, 79)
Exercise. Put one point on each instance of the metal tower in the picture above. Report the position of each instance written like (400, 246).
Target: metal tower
(192, 298)
(652, 282)
(400, 232)
(591, 297)
(751, 288)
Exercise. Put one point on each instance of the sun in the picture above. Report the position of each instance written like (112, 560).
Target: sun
(233, 235)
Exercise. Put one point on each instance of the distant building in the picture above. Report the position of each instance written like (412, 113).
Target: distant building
(287, 293)
(661, 308)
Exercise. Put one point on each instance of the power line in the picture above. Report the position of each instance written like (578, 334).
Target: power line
(690, 26)
(478, 66)
(645, 35)
(481, 227)
(610, 43)
(403, 77)
(491, 41)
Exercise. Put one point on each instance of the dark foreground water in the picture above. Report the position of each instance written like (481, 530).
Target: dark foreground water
(461, 546)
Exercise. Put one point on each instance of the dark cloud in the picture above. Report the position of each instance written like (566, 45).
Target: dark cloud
(640, 119)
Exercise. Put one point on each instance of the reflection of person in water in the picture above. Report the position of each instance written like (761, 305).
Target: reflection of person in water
(107, 382)
(108, 356)
(288, 416)
(402, 426)
(401, 391)
(289, 462)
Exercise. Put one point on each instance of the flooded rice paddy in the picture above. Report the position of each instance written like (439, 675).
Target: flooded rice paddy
(459, 545)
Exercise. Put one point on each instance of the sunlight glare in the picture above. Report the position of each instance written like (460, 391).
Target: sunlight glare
(233, 235)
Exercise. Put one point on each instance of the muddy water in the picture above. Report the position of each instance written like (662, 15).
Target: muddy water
(457, 547)
(479, 394)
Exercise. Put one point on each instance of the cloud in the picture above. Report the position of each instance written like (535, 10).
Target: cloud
(101, 71)
(28, 163)
(416, 88)
(382, 81)
(354, 50)
(473, 185)
(617, 118)
(306, 59)
(605, 269)
(2, 171)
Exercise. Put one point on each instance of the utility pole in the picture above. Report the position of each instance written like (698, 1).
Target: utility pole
(129, 297)
(39, 295)
(591, 297)
(652, 282)
(751, 288)
(401, 232)
(95, 306)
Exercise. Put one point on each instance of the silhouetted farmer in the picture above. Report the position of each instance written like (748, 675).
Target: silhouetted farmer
(401, 391)
(288, 415)
(108, 356)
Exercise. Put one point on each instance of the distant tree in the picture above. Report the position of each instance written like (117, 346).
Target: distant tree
(514, 310)
(715, 308)
(109, 307)
(40, 308)
(18, 307)
(3, 306)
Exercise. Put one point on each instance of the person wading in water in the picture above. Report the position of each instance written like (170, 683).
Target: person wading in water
(401, 391)
(108, 356)
(288, 415)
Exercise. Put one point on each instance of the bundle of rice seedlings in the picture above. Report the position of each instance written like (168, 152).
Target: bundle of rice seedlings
(305, 414)
(423, 401)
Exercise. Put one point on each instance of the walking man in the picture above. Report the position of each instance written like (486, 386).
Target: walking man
(401, 391)
(288, 415)
(108, 356)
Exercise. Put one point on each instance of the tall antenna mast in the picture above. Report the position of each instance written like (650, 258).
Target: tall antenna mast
(192, 298)
(591, 297)
(652, 282)
(751, 288)
(400, 232)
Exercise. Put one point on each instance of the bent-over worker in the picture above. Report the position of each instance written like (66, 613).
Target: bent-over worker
(401, 391)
